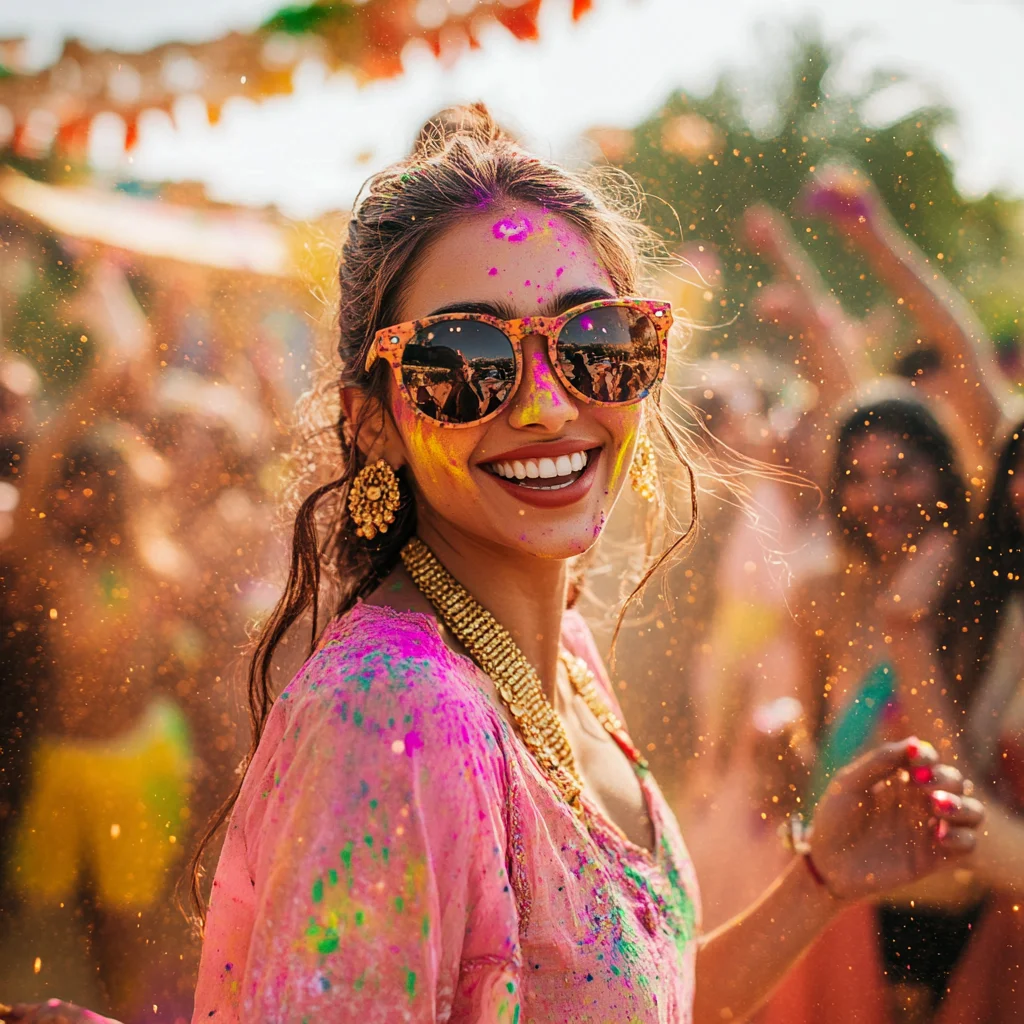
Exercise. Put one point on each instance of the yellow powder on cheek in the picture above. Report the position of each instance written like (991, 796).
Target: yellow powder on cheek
(430, 455)
(619, 464)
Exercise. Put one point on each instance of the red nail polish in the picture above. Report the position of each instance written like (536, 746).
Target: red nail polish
(942, 829)
(922, 775)
(944, 803)
(913, 748)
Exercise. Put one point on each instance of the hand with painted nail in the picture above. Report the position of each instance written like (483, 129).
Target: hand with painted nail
(53, 1011)
(890, 818)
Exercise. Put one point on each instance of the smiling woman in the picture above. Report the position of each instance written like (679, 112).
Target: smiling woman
(444, 817)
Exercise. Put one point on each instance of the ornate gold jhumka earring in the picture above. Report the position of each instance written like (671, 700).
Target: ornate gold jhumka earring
(643, 470)
(374, 499)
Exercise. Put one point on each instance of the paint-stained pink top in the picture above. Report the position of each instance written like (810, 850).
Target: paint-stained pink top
(396, 855)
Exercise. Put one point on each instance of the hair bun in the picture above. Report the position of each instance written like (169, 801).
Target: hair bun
(472, 120)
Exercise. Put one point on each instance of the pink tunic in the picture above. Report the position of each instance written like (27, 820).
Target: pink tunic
(397, 855)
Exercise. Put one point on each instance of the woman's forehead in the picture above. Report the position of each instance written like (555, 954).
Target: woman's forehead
(515, 256)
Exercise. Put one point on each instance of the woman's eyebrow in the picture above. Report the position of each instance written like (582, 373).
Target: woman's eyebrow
(577, 297)
(504, 311)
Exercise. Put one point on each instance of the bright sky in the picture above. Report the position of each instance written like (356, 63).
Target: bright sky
(303, 152)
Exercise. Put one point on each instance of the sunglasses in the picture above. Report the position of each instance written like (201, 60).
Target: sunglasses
(461, 368)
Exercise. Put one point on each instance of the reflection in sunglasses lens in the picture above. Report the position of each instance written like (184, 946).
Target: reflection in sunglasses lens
(459, 371)
(610, 354)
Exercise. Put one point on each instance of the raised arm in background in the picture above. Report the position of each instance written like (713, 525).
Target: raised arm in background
(799, 300)
(118, 375)
(972, 382)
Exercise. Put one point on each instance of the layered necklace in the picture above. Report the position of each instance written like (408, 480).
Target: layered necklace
(491, 646)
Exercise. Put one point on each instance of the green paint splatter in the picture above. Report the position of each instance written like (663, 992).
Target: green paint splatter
(426, 927)
(318, 891)
(332, 876)
(329, 943)
(410, 983)
(360, 918)
(399, 904)
(384, 853)
(346, 856)
(368, 840)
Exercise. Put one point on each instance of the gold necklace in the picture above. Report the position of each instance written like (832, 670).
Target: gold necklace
(491, 646)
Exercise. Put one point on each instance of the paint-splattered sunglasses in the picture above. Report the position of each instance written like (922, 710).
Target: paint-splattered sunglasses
(463, 368)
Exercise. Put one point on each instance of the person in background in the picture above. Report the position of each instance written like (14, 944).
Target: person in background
(108, 775)
(895, 485)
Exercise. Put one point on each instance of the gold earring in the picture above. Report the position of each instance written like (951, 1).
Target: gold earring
(643, 470)
(373, 499)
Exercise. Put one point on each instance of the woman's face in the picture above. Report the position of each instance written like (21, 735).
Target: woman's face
(514, 262)
(888, 490)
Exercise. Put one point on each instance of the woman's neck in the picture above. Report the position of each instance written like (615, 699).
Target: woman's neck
(526, 595)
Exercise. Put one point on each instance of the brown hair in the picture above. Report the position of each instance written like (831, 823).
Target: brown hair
(462, 163)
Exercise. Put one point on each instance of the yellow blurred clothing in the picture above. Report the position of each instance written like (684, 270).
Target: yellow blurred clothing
(108, 812)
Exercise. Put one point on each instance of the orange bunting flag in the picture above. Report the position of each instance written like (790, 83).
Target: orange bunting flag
(73, 136)
(131, 133)
(521, 21)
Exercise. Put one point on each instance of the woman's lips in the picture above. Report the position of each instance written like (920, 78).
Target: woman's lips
(552, 492)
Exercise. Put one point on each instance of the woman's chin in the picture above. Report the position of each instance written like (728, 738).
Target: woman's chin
(549, 536)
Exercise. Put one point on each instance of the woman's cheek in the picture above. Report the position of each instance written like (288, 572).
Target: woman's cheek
(431, 452)
(621, 459)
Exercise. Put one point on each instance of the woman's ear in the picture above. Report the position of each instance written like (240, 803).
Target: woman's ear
(370, 426)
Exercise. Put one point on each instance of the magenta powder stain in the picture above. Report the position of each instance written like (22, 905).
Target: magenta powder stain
(493, 271)
(413, 742)
(559, 271)
(512, 230)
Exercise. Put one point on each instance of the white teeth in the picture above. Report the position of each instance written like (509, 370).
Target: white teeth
(547, 469)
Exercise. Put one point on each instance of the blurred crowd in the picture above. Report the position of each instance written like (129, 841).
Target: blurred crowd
(871, 590)
(136, 543)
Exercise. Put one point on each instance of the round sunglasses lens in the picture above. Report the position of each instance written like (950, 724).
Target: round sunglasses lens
(458, 371)
(610, 354)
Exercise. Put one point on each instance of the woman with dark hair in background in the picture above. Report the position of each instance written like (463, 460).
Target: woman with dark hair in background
(900, 504)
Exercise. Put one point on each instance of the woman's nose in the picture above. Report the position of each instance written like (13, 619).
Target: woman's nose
(541, 400)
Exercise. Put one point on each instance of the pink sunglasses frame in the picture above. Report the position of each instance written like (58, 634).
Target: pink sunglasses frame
(389, 344)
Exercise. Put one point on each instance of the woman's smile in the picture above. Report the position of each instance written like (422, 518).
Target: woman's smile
(550, 474)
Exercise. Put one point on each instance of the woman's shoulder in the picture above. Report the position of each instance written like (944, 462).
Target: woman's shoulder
(377, 669)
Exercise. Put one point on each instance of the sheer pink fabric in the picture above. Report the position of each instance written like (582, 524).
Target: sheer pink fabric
(396, 855)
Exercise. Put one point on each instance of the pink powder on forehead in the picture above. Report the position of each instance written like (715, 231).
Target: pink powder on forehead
(512, 229)
(493, 271)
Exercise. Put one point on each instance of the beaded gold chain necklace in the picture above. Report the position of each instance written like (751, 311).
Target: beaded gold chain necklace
(491, 646)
